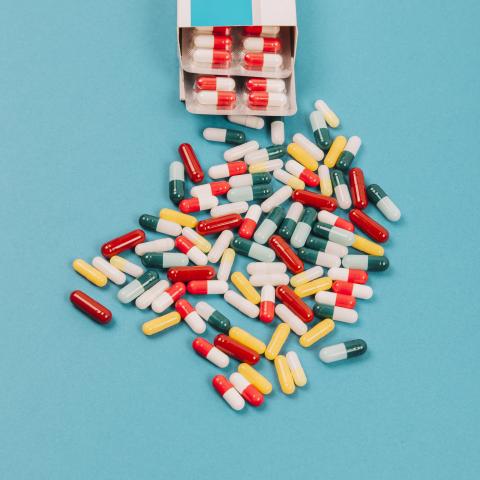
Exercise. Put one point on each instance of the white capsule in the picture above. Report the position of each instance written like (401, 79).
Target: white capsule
(256, 156)
(255, 268)
(196, 256)
(253, 213)
(306, 276)
(328, 114)
(270, 61)
(147, 298)
(345, 315)
(245, 180)
(213, 135)
(269, 166)
(264, 231)
(253, 44)
(169, 228)
(333, 353)
(326, 298)
(300, 234)
(362, 291)
(277, 127)
(279, 197)
(353, 145)
(226, 264)
(308, 146)
(219, 171)
(249, 121)
(204, 41)
(239, 151)
(195, 322)
(241, 304)
(203, 55)
(111, 272)
(294, 168)
(327, 260)
(234, 399)
(288, 179)
(220, 245)
(295, 323)
(389, 209)
(274, 279)
(126, 266)
(268, 293)
(208, 97)
(229, 208)
(162, 302)
(296, 368)
(339, 274)
(295, 211)
(357, 262)
(218, 358)
(326, 187)
(155, 246)
(343, 196)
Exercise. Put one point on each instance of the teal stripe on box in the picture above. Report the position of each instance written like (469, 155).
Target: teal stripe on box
(206, 13)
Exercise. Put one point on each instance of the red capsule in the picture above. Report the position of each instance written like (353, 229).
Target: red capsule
(268, 45)
(286, 254)
(237, 168)
(215, 189)
(183, 244)
(176, 291)
(192, 165)
(221, 30)
(235, 349)
(197, 204)
(96, 311)
(256, 84)
(183, 307)
(368, 225)
(357, 276)
(357, 188)
(206, 83)
(315, 200)
(247, 228)
(202, 346)
(287, 296)
(348, 288)
(222, 42)
(267, 304)
(311, 179)
(207, 287)
(187, 274)
(213, 225)
(125, 242)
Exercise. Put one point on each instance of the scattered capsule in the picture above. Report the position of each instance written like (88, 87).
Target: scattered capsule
(245, 338)
(328, 114)
(284, 375)
(288, 179)
(315, 200)
(136, 287)
(264, 100)
(320, 131)
(220, 245)
(293, 215)
(298, 373)
(279, 337)
(176, 184)
(326, 187)
(95, 310)
(334, 234)
(302, 157)
(248, 194)
(302, 173)
(263, 167)
(249, 224)
(201, 242)
(261, 44)
(159, 324)
(177, 217)
(368, 225)
(226, 390)
(269, 225)
(122, 243)
(126, 266)
(348, 288)
(206, 350)
(214, 225)
(213, 317)
(335, 299)
(334, 220)
(207, 287)
(187, 274)
(271, 279)
(349, 152)
(339, 314)
(226, 264)
(155, 246)
(190, 250)
(303, 228)
(227, 170)
(257, 268)
(277, 125)
(323, 245)
(366, 262)
(221, 84)
(146, 299)
(230, 208)
(236, 350)
(287, 296)
(293, 321)
(253, 250)
(341, 190)
(239, 152)
(156, 224)
(190, 316)
(320, 330)
(358, 190)
(169, 297)
(348, 275)
(342, 351)
(255, 378)
(241, 304)
(319, 258)
(215, 189)
(249, 179)
(306, 276)
(367, 246)
(313, 287)
(197, 204)
(190, 160)
(245, 287)
(267, 304)
(383, 202)
(265, 85)
(286, 254)
(331, 158)
(109, 270)
(279, 197)
(89, 272)
(249, 121)
(308, 146)
(265, 154)
(224, 135)
(246, 389)
(164, 260)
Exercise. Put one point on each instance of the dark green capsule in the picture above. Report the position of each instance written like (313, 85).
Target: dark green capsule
(321, 229)
(261, 178)
(234, 137)
(308, 255)
(219, 322)
(149, 222)
(276, 215)
(320, 130)
(176, 185)
(309, 215)
(349, 153)
(323, 311)
(165, 260)
(375, 193)
(337, 178)
(276, 151)
(355, 347)
(316, 243)
(377, 264)
(287, 228)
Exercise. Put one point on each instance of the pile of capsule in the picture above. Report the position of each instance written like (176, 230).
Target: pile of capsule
(279, 237)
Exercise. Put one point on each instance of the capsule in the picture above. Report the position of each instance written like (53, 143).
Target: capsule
(264, 167)
(368, 225)
(90, 273)
(267, 304)
(261, 44)
(366, 262)
(177, 217)
(342, 351)
(246, 389)
(245, 287)
(156, 224)
(186, 274)
(220, 245)
(288, 179)
(256, 268)
(303, 228)
(214, 225)
(315, 200)
(326, 187)
(190, 250)
(165, 260)
(265, 154)
(169, 297)
(226, 264)
(176, 184)
(214, 58)
(239, 152)
(214, 30)
(286, 254)
(331, 158)
(341, 190)
(191, 317)
(95, 310)
(348, 275)
(320, 330)
(249, 224)
(308, 146)
(335, 299)
(313, 287)
(253, 250)
(271, 279)
(155, 246)
(249, 121)
(213, 317)
(302, 157)
(320, 131)
(367, 246)
(201, 242)
(241, 304)
(277, 129)
(109, 270)
(339, 314)
(217, 42)
(136, 287)
(248, 194)
(236, 350)
(284, 375)
(287, 296)
(215, 83)
(227, 170)
(279, 337)
(293, 321)
(159, 324)
(383, 202)
(260, 60)
(192, 165)
(227, 391)
(255, 378)
(265, 85)
(348, 288)
(126, 266)
(296, 369)
(334, 220)
(122, 243)
(334, 234)
(323, 245)
(207, 190)
(306, 276)
(293, 215)
(319, 258)
(249, 179)
(264, 100)
(349, 152)
(279, 197)
(269, 224)
(327, 113)
(358, 191)
(146, 299)
(304, 174)
(266, 31)
(206, 350)
(245, 338)
(207, 287)
(224, 135)
(230, 208)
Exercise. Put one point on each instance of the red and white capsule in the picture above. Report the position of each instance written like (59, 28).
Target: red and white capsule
(169, 297)
(265, 85)
(206, 350)
(215, 189)
(335, 299)
(190, 315)
(225, 170)
(219, 99)
(334, 220)
(267, 304)
(207, 287)
(225, 84)
(217, 42)
(197, 204)
(250, 222)
(264, 100)
(348, 275)
(260, 61)
(297, 170)
(246, 389)
(184, 245)
(354, 289)
(213, 57)
(262, 44)
(259, 30)
(227, 391)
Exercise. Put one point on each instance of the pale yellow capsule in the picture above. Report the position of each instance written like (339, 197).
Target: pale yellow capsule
(311, 288)
(89, 272)
(302, 156)
(337, 147)
(245, 287)
(298, 373)
(247, 339)
(161, 323)
(367, 246)
(326, 187)
(255, 378)
(284, 375)
(277, 341)
(328, 114)
(199, 240)
(316, 333)
(178, 217)
(306, 276)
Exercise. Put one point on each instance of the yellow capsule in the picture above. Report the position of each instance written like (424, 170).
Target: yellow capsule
(255, 378)
(161, 323)
(306, 276)
(311, 288)
(367, 246)
(302, 156)
(199, 240)
(247, 339)
(326, 187)
(277, 341)
(228, 255)
(327, 113)
(260, 167)
(337, 147)
(245, 287)
(89, 272)
(285, 378)
(126, 266)
(178, 217)
(296, 183)
(298, 373)
(316, 333)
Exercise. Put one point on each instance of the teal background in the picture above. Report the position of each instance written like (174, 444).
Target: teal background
(89, 121)
(213, 12)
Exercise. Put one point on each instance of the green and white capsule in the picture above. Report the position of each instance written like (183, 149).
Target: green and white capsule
(383, 202)
(156, 224)
(342, 351)
(213, 317)
(176, 184)
(165, 260)
(319, 258)
(224, 135)
(339, 314)
(138, 286)
(340, 187)
(265, 154)
(269, 225)
(249, 179)
(320, 130)
(366, 262)
(253, 250)
(247, 194)
(303, 228)
(293, 216)
(324, 245)
(348, 155)
(334, 234)
(239, 152)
